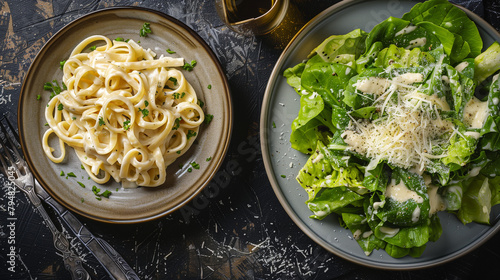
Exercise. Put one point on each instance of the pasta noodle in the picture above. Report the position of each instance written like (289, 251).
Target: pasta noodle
(126, 114)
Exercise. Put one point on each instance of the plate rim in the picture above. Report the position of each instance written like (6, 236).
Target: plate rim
(227, 129)
(264, 121)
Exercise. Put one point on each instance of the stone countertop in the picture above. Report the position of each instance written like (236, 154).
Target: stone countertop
(242, 232)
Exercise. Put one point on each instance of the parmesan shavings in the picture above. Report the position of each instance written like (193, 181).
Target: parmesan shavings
(409, 128)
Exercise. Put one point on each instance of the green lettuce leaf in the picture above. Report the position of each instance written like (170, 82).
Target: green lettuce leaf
(293, 76)
(402, 33)
(357, 100)
(342, 49)
(476, 201)
(491, 128)
(409, 212)
(313, 123)
(321, 171)
(328, 80)
(367, 59)
(403, 237)
(487, 62)
(468, 42)
(452, 196)
(329, 200)
(460, 150)
(362, 233)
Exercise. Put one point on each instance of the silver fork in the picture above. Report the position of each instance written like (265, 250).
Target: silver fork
(13, 166)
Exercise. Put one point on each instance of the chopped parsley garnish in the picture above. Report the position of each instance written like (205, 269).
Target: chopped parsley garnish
(208, 159)
(101, 121)
(61, 64)
(190, 134)
(38, 97)
(145, 112)
(98, 195)
(60, 107)
(48, 86)
(178, 152)
(126, 125)
(177, 123)
(64, 86)
(208, 118)
(209, 86)
(81, 184)
(190, 169)
(106, 194)
(93, 48)
(83, 200)
(173, 80)
(177, 95)
(146, 103)
(62, 173)
(201, 103)
(195, 165)
(274, 125)
(145, 30)
(170, 51)
(189, 66)
(53, 87)
(283, 176)
(119, 39)
(71, 174)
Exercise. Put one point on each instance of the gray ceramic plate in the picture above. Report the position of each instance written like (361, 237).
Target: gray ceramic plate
(280, 107)
(128, 205)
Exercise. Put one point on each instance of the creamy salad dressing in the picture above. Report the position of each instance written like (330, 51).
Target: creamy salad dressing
(373, 85)
(367, 234)
(415, 215)
(389, 232)
(409, 78)
(406, 30)
(436, 202)
(475, 113)
(401, 193)
(419, 42)
(357, 234)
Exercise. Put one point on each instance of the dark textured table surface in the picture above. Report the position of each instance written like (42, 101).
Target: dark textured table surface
(242, 232)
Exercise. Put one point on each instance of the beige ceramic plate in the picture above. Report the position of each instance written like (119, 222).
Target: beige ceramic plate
(128, 205)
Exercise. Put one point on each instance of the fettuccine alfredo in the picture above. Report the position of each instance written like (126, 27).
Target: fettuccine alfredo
(126, 114)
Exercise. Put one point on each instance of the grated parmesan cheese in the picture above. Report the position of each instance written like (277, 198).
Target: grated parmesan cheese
(411, 127)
